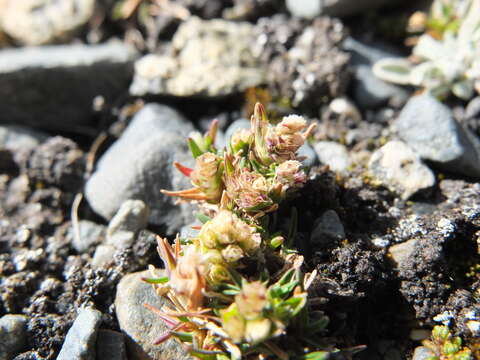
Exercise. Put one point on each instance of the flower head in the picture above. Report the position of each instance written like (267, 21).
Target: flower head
(228, 233)
(207, 176)
(248, 190)
(187, 278)
(290, 174)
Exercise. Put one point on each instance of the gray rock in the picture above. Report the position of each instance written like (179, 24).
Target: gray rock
(429, 128)
(422, 353)
(89, 234)
(312, 8)
(60, 83)
(328, 228)
(397, 167)
(16, 138)
(139, 164)
(80, 341)
(209, 58)
(37, 22)
(140, 324)
(334, 155)
(309, 154)
(13, 335)
(368, 90)
(110, 345)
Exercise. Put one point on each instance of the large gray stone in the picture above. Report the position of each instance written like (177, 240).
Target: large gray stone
(208, 58)
(429, 128)
(80, 341)
(397, 167)
(368, 90)
(53, 87)
(141, 325)
(13, 335)
(312, 8)
(139, 164)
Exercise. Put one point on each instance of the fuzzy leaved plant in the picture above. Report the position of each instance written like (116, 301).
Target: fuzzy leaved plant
(442, 62)
(236, 291)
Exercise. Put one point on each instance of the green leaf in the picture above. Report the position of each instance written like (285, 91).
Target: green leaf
(318, 325)
(161, 280)
(236, 277)
(194, 148)
(230, 292)
(202, 218)
(183, 336)
(317, 355)
(205, 354)
(287, 277)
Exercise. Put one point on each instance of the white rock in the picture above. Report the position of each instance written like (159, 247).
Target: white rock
(334, 155)
(396, 166)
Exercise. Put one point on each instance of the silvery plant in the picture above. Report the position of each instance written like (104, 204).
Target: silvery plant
(442, 65)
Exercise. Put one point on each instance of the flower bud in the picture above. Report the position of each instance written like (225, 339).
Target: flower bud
(292, 124)
(240, 139)
(257, 330)
(276, 241)
(289, 174)
(251, 300)
(232, 253)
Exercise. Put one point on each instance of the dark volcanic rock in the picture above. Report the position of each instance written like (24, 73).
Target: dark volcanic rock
(58, 162)
(292, 57)
(53, 87)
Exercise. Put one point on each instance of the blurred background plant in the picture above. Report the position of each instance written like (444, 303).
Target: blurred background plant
(446, 57)
(445, 346)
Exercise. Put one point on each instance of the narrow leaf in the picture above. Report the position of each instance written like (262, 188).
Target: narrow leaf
(194, 148)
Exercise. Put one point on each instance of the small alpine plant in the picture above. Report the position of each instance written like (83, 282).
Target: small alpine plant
(236, 290)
